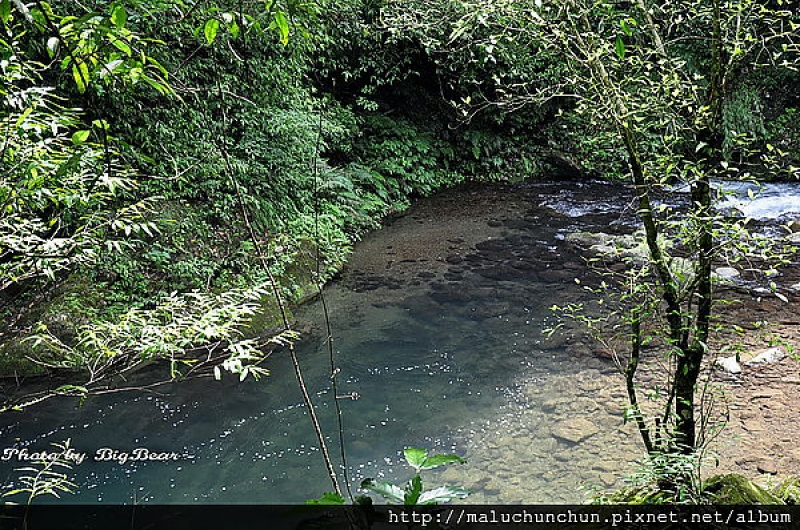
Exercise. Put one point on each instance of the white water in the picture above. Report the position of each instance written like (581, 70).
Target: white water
(765, 202)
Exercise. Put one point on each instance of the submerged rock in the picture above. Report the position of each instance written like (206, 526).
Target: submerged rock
(574, 431)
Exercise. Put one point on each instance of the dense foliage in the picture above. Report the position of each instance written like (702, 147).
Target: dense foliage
(156, 149)
(170, 166)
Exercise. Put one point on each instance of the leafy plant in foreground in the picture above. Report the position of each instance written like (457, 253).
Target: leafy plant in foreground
(413, 493)
(44, 476)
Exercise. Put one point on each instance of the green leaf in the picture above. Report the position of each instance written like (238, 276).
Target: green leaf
(80, 74)
(283, 27)
(620, 46)
(5, 11)
(443, 494)
(327, 499)
(233, 27)
(415, 457)
(441, 460)
(626, 26)
(387, 490)
(78, 137)
(413, 491)
(121, 45)
(211, 28)
(72, 388)
(119, 16)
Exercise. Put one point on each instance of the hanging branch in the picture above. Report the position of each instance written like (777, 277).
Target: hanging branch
(326, 315)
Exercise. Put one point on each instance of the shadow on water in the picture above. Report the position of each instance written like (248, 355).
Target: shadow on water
(438, 323)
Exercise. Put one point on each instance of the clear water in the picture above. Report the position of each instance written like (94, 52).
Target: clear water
(438, 324)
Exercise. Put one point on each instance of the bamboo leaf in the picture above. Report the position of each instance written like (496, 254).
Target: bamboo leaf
(620, 47)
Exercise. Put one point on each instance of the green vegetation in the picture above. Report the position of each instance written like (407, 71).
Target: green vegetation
(176, 174)
(413, 493)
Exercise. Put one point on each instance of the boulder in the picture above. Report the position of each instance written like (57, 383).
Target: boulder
(589, 239)
(736, 489)
(767, 467)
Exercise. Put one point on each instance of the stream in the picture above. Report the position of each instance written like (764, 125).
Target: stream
(438, 324)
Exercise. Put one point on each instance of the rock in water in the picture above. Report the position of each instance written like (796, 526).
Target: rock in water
(574, 431)
(726, 273)
(729, 364)
(770, 355)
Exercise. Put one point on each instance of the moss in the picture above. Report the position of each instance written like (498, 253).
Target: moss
(737, 489)
(72, 303)
(14, 361)
(788, 491)
(730, 489)
(639, 494)
(77, 301)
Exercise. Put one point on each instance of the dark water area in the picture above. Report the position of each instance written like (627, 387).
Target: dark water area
(438, 324)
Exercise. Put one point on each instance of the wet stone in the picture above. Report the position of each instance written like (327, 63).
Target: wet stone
(493, 246)
(501, 272)
(523, 265)
(767, 467)
(574, 430)
(520, 224)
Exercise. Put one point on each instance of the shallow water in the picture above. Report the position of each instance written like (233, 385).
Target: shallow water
(438, 331)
